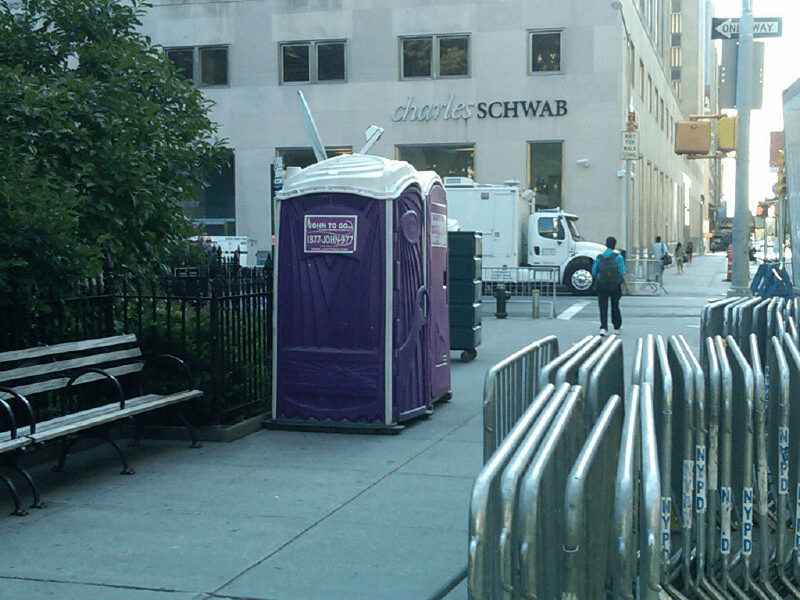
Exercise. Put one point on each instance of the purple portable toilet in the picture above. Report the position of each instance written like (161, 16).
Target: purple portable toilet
(351, 338)
(437, 263)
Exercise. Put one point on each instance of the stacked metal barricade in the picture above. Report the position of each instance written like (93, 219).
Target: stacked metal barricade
(688, 487)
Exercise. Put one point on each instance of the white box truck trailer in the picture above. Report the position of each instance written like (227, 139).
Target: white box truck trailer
(516, 237)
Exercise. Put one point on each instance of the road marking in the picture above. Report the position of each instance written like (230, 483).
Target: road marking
(572, 310)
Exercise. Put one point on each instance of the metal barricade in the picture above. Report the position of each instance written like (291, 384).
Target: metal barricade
(792, 355)
(509, 387)
(780, 455)
(739, 428)
(547, 374)
(712, 319)
(538, 517)
(650, 540)
(743, 320)
(644, 276)
(762, 468)
(625, 502)
(486, 505)
(522, 281)
(602, 376)
(589, 507)
(711, 425)
(682, 484)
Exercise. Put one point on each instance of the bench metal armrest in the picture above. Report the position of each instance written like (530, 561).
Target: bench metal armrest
(169, 358)
(74, 378)
(26, 406)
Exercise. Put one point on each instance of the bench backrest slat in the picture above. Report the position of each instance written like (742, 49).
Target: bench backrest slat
(65, 348)
(45, 370)
(49, 385)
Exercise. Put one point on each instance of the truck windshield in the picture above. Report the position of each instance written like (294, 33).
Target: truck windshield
(573, 228)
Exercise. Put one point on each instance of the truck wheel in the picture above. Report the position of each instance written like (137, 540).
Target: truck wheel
(578, 278)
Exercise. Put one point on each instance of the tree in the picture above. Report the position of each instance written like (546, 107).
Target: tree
(102, 141)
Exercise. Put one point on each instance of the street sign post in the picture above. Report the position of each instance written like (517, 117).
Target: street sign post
(630, 145)
(726, 29)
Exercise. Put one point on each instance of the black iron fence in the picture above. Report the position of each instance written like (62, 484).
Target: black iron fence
(219, 320)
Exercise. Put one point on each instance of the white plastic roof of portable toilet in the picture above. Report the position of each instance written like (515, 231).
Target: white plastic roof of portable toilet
(362, 174)
(427, 179)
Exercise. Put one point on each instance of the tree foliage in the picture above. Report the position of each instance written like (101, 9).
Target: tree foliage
(102, 141)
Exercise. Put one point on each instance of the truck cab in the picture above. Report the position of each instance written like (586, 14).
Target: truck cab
(516, 236)
(554, 240)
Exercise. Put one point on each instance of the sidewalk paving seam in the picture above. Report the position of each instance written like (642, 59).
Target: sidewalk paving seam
(218, 592)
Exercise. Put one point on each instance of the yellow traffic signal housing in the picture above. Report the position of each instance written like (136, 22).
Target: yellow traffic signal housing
(780, 186)
(692, 137)
(727, 133)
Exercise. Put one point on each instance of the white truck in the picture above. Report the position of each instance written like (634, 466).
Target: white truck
(229, 244)
(516, 236)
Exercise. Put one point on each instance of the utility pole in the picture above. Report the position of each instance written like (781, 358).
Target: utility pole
(740, 268)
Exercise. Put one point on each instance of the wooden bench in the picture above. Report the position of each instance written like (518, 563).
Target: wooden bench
(84, 388)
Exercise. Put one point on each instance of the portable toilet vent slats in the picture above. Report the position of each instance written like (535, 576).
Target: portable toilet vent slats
(352, 304)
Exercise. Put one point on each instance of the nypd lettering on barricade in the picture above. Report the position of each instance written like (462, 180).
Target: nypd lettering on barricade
(666, 514)
(726, 506)
(688, 491)
(451, 110)
(747, 521)
(797, 519)
(783, 467)
(700, 482)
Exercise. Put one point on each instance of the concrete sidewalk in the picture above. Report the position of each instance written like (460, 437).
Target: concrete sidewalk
(282, 515)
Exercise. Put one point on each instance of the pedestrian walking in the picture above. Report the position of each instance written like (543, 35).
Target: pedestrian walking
(680, 256)
(658, 250)
(689, 251)
(609, 275)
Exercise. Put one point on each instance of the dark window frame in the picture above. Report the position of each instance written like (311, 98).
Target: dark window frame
(438, 46)
(318, 67)
(204, 71)
(547, 62)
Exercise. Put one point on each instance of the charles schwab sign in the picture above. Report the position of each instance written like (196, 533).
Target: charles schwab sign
(410, 110)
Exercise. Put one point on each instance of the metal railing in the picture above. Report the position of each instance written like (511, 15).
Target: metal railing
(706, 498)
(528, 527)
(510, 387)
(522, 281)
(644, 275)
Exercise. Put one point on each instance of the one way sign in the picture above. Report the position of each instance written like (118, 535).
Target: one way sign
(726, 29)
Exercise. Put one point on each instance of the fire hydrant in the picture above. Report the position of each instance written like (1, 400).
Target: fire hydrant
(501, 295)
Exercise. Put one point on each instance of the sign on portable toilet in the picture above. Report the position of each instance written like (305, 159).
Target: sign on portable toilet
(353, 308)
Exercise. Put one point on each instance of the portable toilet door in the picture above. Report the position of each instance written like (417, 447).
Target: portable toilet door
(438, 312)
(350, 293)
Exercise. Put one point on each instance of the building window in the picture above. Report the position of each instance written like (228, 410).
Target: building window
(641, 80)
(545, 51)
(313, 62)
(631, 66)
(214, 208)
(204, 65)
(304, 157)
(435, 56)
(448, 160)
(545, 160)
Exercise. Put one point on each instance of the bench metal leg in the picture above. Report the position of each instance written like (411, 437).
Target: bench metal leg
(126, 469)
(184, 420)
(66, 443)
(18, 510)
(37, 499)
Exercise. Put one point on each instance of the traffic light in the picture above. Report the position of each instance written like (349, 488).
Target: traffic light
(780, 185)
(727, 133)
(692, 137)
